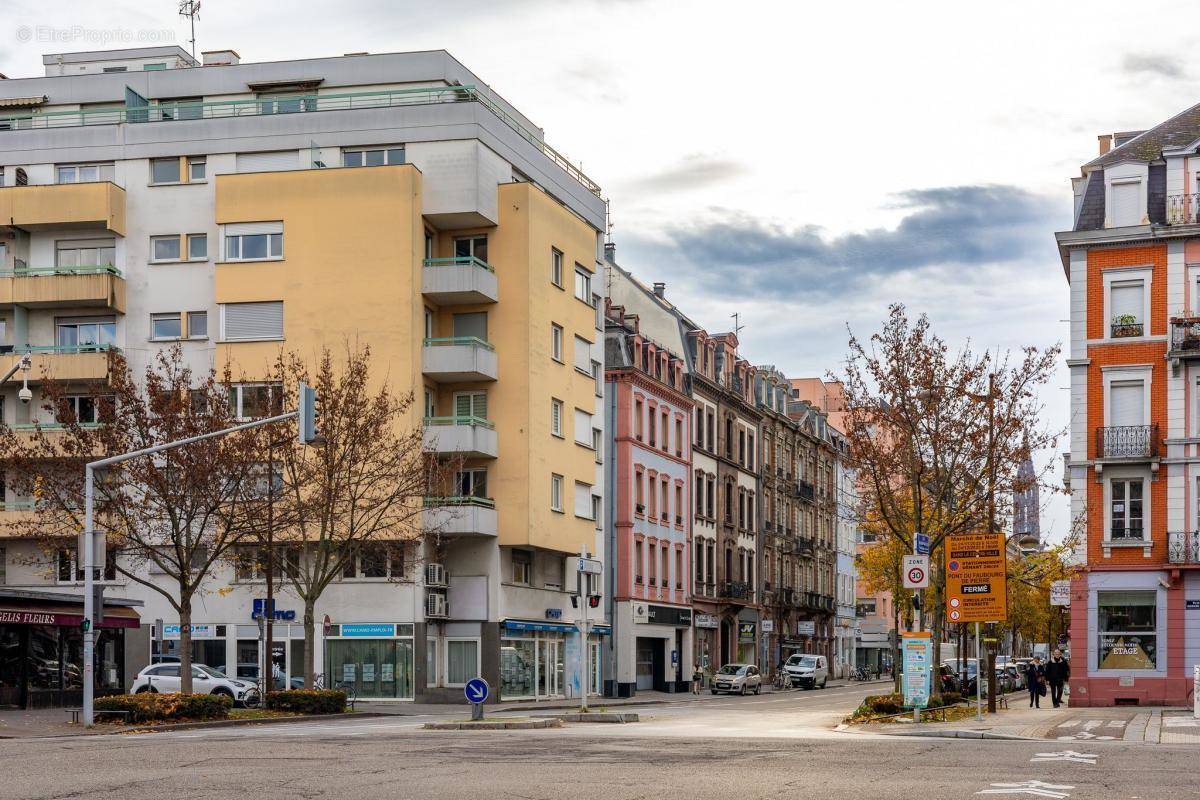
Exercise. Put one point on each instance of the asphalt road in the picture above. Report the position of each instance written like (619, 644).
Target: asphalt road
(767, 747)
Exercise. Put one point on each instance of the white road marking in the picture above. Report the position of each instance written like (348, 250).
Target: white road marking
(1085, 735)
(1117, 723)
(1065, 755)
(1092, 724)
(1035, 788)
(1071, 723)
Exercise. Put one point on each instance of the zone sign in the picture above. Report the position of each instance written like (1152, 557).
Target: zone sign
(916, 572)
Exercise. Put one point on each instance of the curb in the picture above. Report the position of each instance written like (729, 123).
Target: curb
(216, 723)
(529, 724)
(940, 734)
(592, 716)
(575, 706)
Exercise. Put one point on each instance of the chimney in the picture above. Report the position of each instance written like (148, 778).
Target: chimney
(660, 289)
(220, 58)
(610, 252)
(1105, 142)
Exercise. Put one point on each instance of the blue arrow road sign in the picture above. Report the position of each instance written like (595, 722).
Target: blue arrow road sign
(921, 544)
(476, 690)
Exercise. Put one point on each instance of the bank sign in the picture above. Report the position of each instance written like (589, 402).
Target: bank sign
(976, 583)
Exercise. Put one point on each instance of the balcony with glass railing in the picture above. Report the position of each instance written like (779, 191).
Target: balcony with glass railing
(64, 287)
(459, 280)
(465, 437)
(455, 359)
(460, 516)
(186, 114)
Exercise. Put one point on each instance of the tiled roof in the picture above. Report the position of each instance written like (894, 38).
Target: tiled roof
(1179, 130)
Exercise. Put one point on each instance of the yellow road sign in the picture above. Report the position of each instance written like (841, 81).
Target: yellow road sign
(976, 587)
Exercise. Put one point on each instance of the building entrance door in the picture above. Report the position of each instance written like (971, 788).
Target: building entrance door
(645, 664)
(550, 668)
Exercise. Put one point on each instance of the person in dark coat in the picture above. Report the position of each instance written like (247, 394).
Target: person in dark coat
(1058, 672)
(1035, 674)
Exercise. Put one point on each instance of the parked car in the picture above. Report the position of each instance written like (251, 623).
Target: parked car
(205, 680)
(1018, 676)
(807, 672)
(947, 680)
(737, 678)
(967, 677)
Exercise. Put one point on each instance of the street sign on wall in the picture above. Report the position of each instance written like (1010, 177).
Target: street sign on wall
(976, 586)
(916, 572)
(917, 656)
(1060, 593)
(921, 543)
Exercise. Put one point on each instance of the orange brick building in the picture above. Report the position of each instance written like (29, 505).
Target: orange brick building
(1133, 263)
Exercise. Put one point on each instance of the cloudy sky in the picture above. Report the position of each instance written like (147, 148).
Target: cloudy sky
(803, 164)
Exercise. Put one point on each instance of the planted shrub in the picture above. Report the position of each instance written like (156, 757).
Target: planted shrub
(149, 707)
(308, 701)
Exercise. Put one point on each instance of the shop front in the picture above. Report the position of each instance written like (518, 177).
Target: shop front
(747, 637)
(41, 648)
(538, 660)
(376, 658)
(707, 626)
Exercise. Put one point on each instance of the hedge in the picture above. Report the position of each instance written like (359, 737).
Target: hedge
(308, 701)
(885, 704)
(153, 707)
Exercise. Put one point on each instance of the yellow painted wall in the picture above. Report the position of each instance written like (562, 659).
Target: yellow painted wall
(353, 243)
(99, 205)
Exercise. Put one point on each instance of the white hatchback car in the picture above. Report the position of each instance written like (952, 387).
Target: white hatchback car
(205, 680)
(737, 679)
(808, 672)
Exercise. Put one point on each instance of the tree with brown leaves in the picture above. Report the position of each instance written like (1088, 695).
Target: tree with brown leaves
(172, 516)
(918, 430)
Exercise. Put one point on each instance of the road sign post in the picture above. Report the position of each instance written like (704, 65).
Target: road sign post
(476, 691)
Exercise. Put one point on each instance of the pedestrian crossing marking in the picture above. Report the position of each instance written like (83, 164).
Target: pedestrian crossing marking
(1034, 788)
(1065, 755)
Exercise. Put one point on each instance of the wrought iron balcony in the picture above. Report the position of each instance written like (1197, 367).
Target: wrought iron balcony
(1183, 547)
(806, 491)
(1132, 533)
(1123, 330)
(1182, 209)
(1185, 337)
(737, 590)
(1128, 442)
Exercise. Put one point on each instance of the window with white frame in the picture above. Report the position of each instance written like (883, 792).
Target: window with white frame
(462, 661)
(197, 246)
(1126, 304)
(556, 267)
(1126, 403)
(197, 169)
(376, 560)
(254, 241)
(471, 483)
(250, 322)
(373, 157)
(1127, 625)
(556, 492)
(583, 500)
(583, 355)
(84, 409)
(556, 415)
(164, 248)
(583, 284)
(471, 247)
(255, 400)
(470, 404)
(166, 326)
(83, 173)
(583, 427)
(85, 253)
(1125, 510)
(522, 567)
(556, 342)
(164, 170)
(1127, 196)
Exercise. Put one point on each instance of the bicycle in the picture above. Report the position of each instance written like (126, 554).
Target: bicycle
(782, 680)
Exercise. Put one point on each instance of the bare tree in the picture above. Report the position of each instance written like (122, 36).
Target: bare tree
(921, 440)
(171, 516)
(360, 494)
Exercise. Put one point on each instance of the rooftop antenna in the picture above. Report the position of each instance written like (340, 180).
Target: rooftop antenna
(191, 10)
(737, 324)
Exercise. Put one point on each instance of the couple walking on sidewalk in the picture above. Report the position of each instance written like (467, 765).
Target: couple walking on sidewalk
(1056, 673)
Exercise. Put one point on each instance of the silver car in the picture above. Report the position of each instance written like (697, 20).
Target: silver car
(205, 680)
(737, 679)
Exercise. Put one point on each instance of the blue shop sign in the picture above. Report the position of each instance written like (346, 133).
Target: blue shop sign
(521, 625)
(369, 629)
(278, 613)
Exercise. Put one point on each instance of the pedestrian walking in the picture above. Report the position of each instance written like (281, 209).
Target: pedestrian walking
(1058, 672)
(697, 679)
(1035, 677)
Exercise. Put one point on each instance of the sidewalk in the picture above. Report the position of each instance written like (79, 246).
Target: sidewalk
(1018, 721)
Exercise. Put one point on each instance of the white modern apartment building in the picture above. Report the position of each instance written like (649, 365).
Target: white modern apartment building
(148, 200)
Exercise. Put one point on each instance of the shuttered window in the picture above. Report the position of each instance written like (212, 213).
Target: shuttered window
(268, 162)
(583, 500)
(1127, 297)
(583, 427)
(472, 324)
(1127, 204)
(1126, 403)
(471, 404)
(556, 409)
(583, 355)
(248, 322)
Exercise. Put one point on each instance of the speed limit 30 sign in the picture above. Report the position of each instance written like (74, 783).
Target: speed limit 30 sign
(916, 572)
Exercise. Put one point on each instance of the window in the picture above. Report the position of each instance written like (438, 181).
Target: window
(639, 495)
(84, 173)
(699, 493)
(462, 661)
(428, 323)
(85, 253)
(85, 332)
(155, 66)
(652, 430)
(197, 168)
(710, 497)
(597, 443)
(678, 569)
(583, 285)
(255, 400)
(1126, 404)
(583, 428)
(1126, 203)
(583, 355)
(470, 404)
(164, 170)
(556, 410)
(583, 500)
(638, 416)
(253, 246)
(375, 157)
(1127, 627)
(1125, 507)
(666, 418)
(678, 504)
(1126, 301)
(522, 565)
(472, 246)
(249, 322)
(198, 324)
(115, 69)
(556, 267)
(470, 325)
(471, 483)
(679, 437)
(250, 562)
(556, 342)
(197, 246)
(556, 491)
(164, 248)
(166, 326)
(598, 378)
(431, 661)
(430, 406)
(84, 409)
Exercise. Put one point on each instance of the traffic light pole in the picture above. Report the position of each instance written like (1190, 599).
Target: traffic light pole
(582, 589)
(307, 433)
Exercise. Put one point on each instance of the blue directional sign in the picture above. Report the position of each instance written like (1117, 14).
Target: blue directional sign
(476, 690)
(921, 544)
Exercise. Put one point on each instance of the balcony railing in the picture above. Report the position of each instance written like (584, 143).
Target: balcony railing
(1127, 441)
(737, 590)
(1131, 533)
(1182, 209)
(1124, 330)
(469, 420)
(33, 272)
(459, 500)
(290, 104)
(806, 491)
(459, 261)
(1185, 337)
(1183, 547)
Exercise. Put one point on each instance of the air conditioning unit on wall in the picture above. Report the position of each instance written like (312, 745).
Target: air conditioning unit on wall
(435, 575)
(436, 605)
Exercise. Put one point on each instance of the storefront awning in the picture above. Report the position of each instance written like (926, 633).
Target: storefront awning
(67, 615)
(22, 102)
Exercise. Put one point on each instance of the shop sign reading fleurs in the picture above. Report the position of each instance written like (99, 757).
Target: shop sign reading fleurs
(28, 618)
